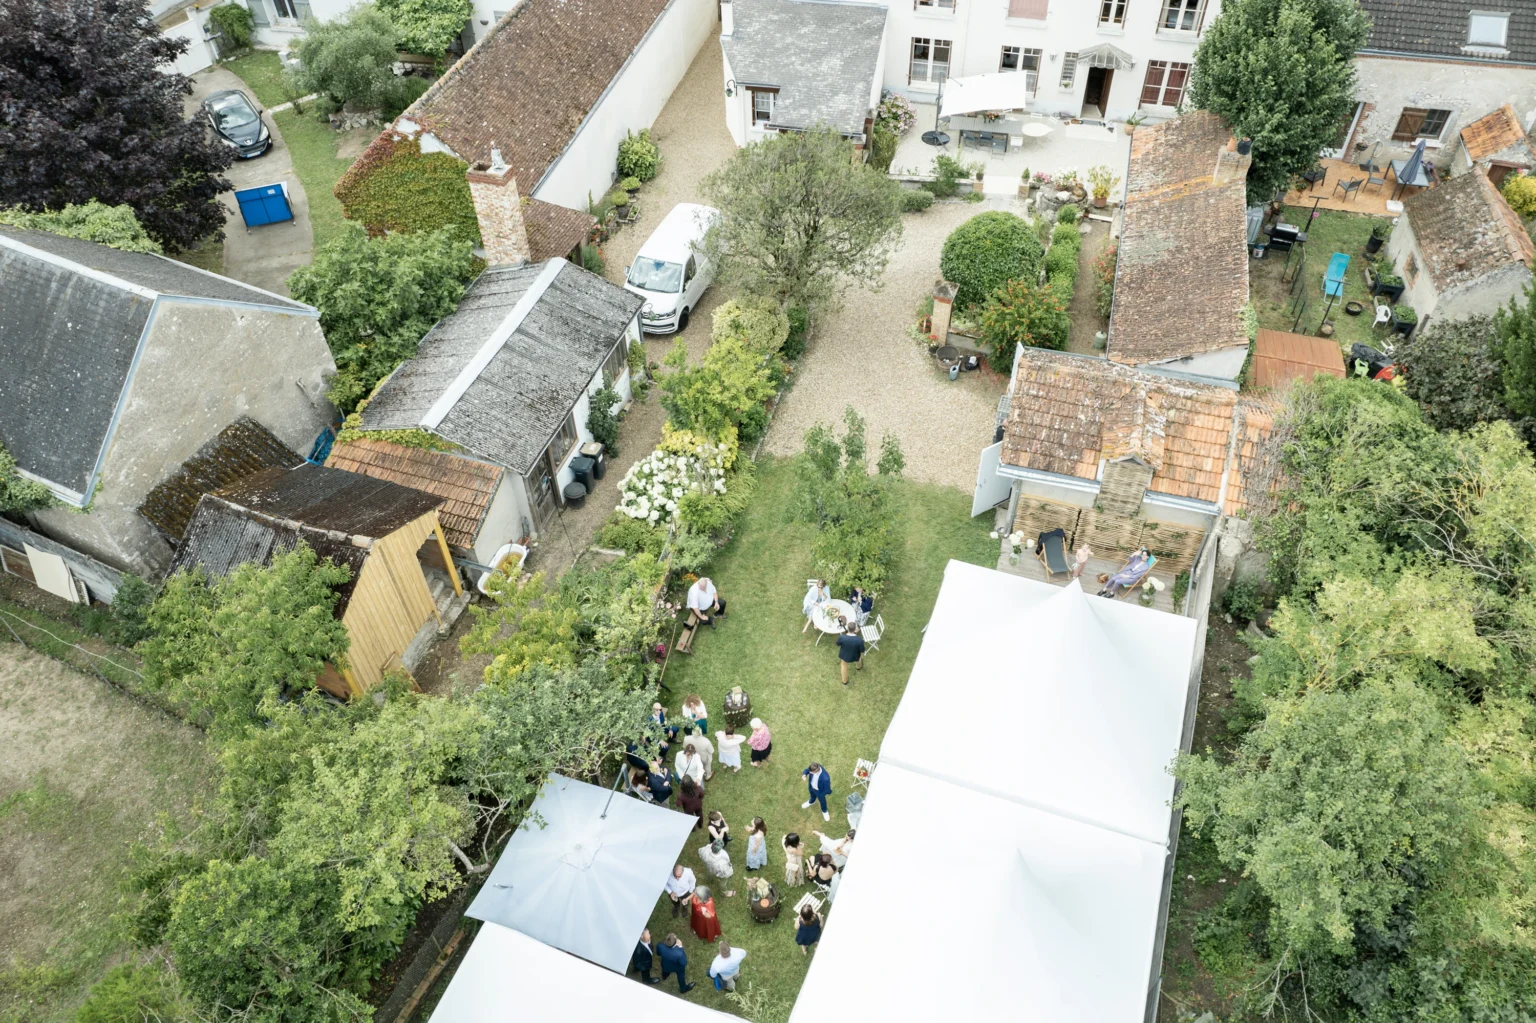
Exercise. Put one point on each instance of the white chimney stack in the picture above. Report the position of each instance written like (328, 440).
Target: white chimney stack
(727, 20)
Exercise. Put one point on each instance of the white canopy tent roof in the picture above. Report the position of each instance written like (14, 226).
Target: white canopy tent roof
(507, 976)
(581, 882)
(1000, 90)
(1083, 699)
(1053, 921)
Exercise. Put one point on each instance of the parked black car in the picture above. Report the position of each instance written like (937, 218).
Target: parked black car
(237, 123)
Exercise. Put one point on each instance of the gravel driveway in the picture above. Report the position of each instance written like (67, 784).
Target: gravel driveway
(860, 355)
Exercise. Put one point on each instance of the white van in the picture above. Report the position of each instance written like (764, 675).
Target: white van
(668, 272)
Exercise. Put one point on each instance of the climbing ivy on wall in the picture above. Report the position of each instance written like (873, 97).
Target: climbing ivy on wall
(394, 186)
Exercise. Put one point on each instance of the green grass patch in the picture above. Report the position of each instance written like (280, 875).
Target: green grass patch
(1330, 232)
(795, 689)
(262, 72)
(312, 144)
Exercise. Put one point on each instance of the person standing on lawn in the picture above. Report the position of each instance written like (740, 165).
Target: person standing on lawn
(703, 919)
(640, 961)
(674, 959)
(850, 649)
(680, 887)
(794, 861)
(730, 748)
(690, 799)
(757, 844)
(819, 784)
(706, 751)
(808, 931)
(689, 763)
(761, 742)
(727, 966)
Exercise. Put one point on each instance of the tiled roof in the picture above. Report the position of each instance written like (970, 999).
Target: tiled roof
(1492, 133)
(821, 56)
(527, 86)
(1439, 27)
(465, 485)
(1280, 358)
(1464, 229)
(1182, 277)
(554, 230)
(1255, 416)
(1068, 412)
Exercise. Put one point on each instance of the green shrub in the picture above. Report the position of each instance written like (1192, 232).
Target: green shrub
(618, 197)
(130, 608)
(1520, 193)
(799, 326)
(427, 26)
(603, 417)
(93, 221)
(132, 993)
(592, 260)
(986, 252)
(754, 423)
(399, 93)
(623, 533)
(915, 200)
(947, 172)
(1104, 280)
(1061, 264)
(1066, 234)
(394, 187)
(639, 157)
(711, 513)
(1405, 314)
(630, 184)
(234, 24)
(1021, 312)
(692, 551)
(882, 148)
(1242, 600)
(974, 197)
(757, 322)
(1068, 214)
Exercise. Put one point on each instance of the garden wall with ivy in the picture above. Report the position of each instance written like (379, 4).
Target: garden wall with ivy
(394, 186)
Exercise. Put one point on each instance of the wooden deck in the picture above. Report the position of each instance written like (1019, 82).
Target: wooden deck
(1370, 199)
(1030, 568)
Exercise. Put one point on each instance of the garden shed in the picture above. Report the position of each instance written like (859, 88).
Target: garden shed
(388, 535)
(1498, 144)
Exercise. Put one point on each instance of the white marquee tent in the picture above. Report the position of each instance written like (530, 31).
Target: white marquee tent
(999, 90)
(507, 977)
(583, 882)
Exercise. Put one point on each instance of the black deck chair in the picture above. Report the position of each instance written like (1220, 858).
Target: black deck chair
(1051, 549)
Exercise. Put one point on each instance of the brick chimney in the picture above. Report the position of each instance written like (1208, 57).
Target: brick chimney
(727, 20)
(1232, 162)
(499, 209)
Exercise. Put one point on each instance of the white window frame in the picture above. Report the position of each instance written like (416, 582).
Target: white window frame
(752, 97)
(928, 63)
(1489, 17)
(947, 6)
(1181, 10)
(1068, 80)
(1015, 52)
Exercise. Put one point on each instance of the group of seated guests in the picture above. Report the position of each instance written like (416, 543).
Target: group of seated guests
(818, 593)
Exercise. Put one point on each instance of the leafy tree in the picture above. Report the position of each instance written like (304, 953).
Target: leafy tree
(714, 397)
(850, 507)
(94, 221)
(1025, 313)
(17, 493)
(348, 59)
(604, 413)
(1519, 191)
(427, 26)
(988, 251)
(234, 23)
(758, 323)
(1452, 370)
(542, 629)
(1515, 346)
(1281, 72)
(88, 111)
(799, 218)
(378, 297)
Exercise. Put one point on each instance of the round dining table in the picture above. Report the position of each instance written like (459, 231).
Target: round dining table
(828, 623)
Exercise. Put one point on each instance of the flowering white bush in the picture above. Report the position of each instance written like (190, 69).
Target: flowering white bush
(654, 485)
(895, 113)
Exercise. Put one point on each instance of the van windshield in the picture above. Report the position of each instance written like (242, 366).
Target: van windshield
(656, 275)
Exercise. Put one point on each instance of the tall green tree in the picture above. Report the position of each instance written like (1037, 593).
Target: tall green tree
(1515, 345)
(801, 218)
(850, 507)
(427, 26)
(378, 297)
(1282, 73)
(348, 59)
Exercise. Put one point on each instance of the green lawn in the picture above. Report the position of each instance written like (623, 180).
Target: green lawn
(263, 73)
(313, 146)
(1330, 232)
(795, 689)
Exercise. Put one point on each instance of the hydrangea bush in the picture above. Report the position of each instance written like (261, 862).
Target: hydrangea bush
(895, 113)
(654, 486)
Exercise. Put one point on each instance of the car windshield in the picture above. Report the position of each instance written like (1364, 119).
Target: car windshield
(655, 275)
(232, 112)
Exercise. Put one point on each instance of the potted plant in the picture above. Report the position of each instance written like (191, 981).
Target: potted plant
(1377, 238)
(1101, 181)
(1388, 286)
(978, 171)
(1131, 122)
(630, 184)
(1404, 319)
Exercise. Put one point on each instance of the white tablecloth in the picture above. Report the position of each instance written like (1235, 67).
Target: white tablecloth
(829, 625)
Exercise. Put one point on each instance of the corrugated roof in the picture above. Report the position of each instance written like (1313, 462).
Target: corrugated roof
(508, 413)
(1280, 358)
(465, 485)
(331, 499)
(1493, 133)
(821, 56)
(240, 449)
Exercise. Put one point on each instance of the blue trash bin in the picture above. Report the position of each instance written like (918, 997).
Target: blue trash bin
(265, 204)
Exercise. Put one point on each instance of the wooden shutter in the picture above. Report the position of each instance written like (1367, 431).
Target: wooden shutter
(1409, 123)
(1033, 9)
(1174, 91)
(1152, 88)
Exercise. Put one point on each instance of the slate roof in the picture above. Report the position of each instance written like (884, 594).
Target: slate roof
(1182, 277)
(511, 409)
(1070, 411)
(821, 55)
(72, 315)
(1439, 28)
(530, 82)
(1464, 229)
(1493, 133)
(1280, 358)
(465, 485)
(240, 449)
(554, 230)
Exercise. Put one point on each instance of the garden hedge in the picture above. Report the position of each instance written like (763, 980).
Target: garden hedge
(394, 186)
(988, 251)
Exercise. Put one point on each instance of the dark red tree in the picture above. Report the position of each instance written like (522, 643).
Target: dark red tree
(87, 112)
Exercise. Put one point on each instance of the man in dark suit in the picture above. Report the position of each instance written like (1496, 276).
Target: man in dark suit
(674, 959)
(660, 780)
(818, 785)
(640, 962)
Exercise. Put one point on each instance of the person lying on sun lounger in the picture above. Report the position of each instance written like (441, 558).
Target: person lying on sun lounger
(1129, 576)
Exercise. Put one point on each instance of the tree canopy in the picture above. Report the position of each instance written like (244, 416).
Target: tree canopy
(1282, 73)
(427, 26)
(349, 58)
(850, 507)
(93, 221)
(89, 111)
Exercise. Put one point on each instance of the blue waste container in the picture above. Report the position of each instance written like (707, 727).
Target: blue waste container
(266, 204)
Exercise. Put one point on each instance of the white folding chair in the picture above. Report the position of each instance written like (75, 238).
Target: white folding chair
(863, 770)
(872, 633)
(809, 900)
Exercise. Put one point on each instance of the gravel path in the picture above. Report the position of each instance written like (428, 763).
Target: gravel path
(861, 355)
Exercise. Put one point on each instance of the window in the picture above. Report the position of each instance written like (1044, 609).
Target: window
(1417, 123)
(934, 5)
(1164, 85)
(691, 269)
(1486, 28)
(1027, 60)
(1035, 10)
(617, 362)
(1112, 12)
(762, 105)
(930, 60)
(1068, 70)
(1181, 15)
(1010, 61)
(284, 9)
(564, 442)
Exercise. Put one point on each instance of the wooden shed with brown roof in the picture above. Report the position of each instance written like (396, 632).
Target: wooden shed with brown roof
(388, 535)
(1497, 143)
(1281, 358)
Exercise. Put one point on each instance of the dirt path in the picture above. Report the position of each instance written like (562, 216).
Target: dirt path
(1085, 314)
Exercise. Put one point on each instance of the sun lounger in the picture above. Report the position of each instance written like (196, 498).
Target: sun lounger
(1051, 549)
(1128, 578)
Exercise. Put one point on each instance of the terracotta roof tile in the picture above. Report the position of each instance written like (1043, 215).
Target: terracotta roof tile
(1492, 132)
(1280, 358)
(554, 230)
(465, 485)
(1464, 229)
(1256, 418)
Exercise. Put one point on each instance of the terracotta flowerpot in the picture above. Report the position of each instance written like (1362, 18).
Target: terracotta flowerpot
(1100, 200)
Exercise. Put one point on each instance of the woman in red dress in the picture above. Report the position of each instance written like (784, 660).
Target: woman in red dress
(705, 924)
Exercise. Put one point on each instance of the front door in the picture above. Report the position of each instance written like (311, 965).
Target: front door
(1096, 93)
(541, 493)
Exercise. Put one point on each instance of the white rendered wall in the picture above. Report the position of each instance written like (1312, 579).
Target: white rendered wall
(503, 519)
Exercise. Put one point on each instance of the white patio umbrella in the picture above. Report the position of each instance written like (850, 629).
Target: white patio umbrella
(1036, 129)
(973, 94)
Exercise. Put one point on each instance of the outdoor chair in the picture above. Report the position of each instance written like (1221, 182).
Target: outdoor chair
(809, 899)
(1376, 177)
(1351, 188)
(1383, 315)
(1051, 549)
(872, 633)
(863, 771)
(640, 794)
(1000, 143)
(1333, 279)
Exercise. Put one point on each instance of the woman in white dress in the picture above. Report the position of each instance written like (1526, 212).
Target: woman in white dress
(717, 862)
(817, 594)
(729, 744)
(838, 847)
(690, 764)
